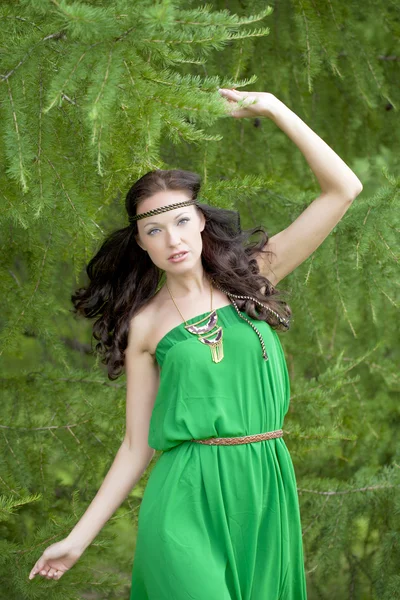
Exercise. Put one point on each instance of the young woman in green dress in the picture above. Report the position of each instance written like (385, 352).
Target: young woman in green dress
(189, 308)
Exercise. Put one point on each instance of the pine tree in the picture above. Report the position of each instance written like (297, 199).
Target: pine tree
(95, 94)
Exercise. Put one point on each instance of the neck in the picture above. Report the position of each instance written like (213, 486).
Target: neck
(189, 285)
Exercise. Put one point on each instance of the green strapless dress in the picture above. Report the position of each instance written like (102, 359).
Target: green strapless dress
(220, 522)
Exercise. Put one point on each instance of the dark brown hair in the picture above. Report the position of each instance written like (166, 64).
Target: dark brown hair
(123, 278)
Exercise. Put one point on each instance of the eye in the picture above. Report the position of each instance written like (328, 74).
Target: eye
(156, 228)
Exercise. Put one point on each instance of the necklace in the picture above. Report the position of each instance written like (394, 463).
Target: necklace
(215, 344)
(212, 339)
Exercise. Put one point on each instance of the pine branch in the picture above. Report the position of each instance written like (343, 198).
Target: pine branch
(354, 490)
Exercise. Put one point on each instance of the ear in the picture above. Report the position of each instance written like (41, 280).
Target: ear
(202, 221)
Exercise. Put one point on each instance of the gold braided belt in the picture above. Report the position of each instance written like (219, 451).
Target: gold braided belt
(246, 439)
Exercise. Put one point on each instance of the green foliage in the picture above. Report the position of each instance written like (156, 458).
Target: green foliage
(92, 96)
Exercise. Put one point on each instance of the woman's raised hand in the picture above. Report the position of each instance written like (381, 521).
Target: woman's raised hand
(252, 104)
(56, 560)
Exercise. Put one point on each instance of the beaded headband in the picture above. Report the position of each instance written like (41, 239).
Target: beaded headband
(161, 209)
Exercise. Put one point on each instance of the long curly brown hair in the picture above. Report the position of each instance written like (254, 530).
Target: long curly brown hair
(122, 277)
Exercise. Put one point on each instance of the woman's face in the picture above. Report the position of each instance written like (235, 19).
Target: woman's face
(175, 230)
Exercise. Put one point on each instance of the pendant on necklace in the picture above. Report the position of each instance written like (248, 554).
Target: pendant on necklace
(215, 343)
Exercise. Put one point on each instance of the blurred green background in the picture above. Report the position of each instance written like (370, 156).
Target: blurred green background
(92, 96)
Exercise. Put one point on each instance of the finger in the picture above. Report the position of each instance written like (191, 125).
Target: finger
(47, 576)
(41, 564)
(35, 570)
(51, 572)
(238, 114)
(233, 94)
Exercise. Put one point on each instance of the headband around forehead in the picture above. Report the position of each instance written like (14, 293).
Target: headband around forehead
(161, 209)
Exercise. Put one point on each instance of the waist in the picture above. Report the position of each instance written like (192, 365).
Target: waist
(246, 439)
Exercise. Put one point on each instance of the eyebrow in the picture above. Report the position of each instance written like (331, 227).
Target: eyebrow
(177, 217)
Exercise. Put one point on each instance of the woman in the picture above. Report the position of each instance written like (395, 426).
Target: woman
(191, 310)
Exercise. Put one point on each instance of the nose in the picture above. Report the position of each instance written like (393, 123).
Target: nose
(173, 239)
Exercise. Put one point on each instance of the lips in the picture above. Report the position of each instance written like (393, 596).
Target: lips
(177, 253)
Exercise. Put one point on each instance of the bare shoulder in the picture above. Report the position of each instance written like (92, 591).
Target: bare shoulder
(139, 330)
(144, 325)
